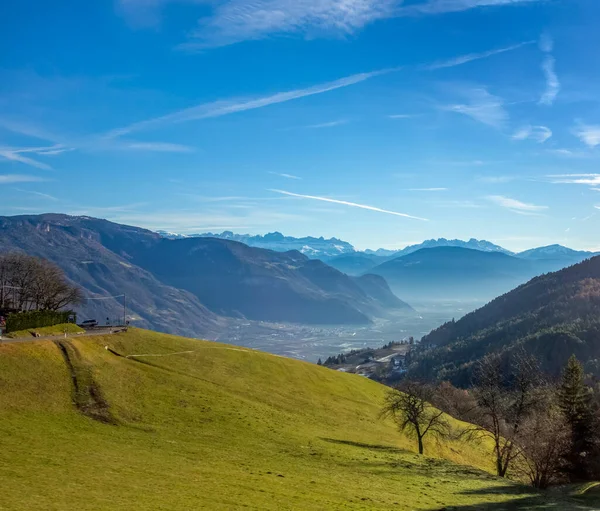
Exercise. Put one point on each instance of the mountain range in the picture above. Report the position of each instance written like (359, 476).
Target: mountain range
(189, 285)
(309, 246)
(552, 316)
(449, 273)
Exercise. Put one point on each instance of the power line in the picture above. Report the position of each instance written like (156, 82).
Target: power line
(105, 297)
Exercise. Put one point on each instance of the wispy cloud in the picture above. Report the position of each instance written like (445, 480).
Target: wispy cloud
(15, 155)
(569, 153)
(496, 179)
(160, 147)
(400, 116)
(588, 134)
(464, 59)
(330, 124)
(427, 189)
(576, 179)
(233, 21)
(351, 204)
(483, 107)
(552, 84)
(287, 176)
(538, 133)
(37, 194)
(443, 6)
(18, 178)
(515, 205)
(221, 108)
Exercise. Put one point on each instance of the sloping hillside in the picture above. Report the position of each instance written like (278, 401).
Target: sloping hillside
(171, 284)
(552, 316)
(184, 424)
(83, 248)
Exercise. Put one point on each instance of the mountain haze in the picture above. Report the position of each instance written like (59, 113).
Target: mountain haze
(551, 316)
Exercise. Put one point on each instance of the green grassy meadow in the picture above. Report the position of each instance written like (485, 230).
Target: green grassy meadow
(202, 425)
(70, 328)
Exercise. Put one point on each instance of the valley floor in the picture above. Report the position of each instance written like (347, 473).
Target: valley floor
(161, 422)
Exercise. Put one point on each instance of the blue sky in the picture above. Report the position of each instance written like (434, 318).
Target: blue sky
(379, 122)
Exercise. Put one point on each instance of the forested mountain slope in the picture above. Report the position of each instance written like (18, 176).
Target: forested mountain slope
(552, 316)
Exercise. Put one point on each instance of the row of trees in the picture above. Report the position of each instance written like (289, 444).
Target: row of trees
(546, 431)
(30, 283)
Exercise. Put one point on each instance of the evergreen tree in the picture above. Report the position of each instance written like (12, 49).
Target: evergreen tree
(575, 402)
(319, 363)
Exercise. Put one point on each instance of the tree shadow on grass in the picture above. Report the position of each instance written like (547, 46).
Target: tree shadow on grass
(535, 501)
(377, 447)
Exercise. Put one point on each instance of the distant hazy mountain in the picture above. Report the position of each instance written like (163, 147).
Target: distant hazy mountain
(187, 285)
(455, 273)
(309, 246)
(556, 253)
(552, 316)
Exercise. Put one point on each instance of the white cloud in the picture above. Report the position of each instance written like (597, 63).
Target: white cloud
(18, 178)
(576, 179)
(464, 59)
(287, 176)
(233, 21)
(483, 107)
(552, 83)
(351, 204)
(538, 133)
(15, 155)
(588, 134)
(515, 205)
(220, 108)
(427, 189)
(400, 116)
(160, 147)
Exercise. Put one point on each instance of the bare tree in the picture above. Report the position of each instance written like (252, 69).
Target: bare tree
(505, 402)
(31, 283)
(409, 406)
(544, 441)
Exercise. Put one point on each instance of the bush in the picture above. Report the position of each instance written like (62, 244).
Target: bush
(36, 319)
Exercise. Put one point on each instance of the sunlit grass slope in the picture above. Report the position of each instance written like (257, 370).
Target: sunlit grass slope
(211, 426)
(69, 328)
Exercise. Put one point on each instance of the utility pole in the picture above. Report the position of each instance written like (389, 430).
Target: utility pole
(124, 310)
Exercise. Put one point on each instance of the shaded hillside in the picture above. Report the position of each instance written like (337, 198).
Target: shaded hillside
(236, 280)
(552, 316)
(451, 273)
(356, 263)
(201, 425)
(377, 287)
(170, 283)
(81, 246)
